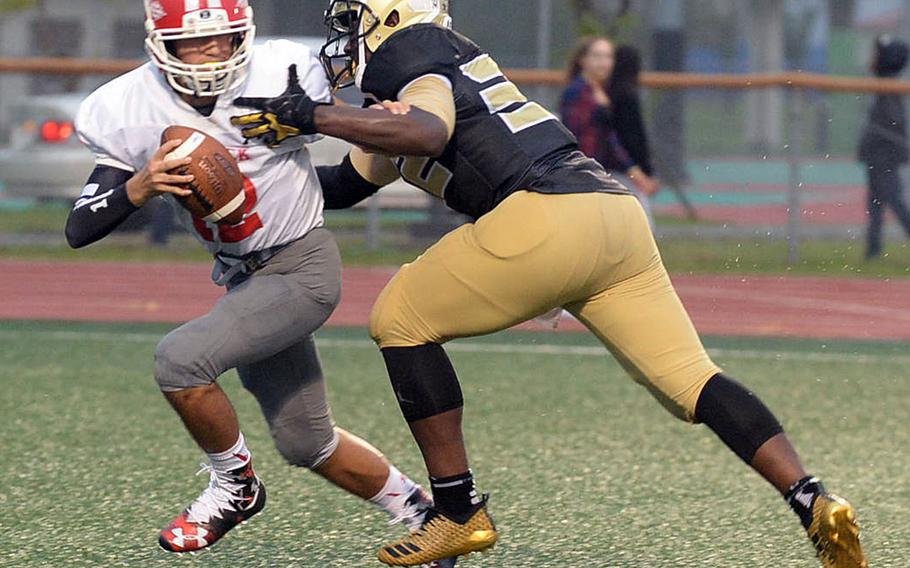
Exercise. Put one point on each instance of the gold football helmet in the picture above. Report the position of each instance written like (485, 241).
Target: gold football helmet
(356, 27)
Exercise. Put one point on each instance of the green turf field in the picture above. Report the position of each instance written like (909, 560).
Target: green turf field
(585, 469)
(682, 254)
(838, 258)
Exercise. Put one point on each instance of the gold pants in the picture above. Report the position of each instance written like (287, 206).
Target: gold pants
(590, 253)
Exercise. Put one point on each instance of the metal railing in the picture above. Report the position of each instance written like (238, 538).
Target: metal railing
(794, 85)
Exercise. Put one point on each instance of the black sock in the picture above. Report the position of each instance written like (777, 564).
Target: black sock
(456, 495)
(801, 498)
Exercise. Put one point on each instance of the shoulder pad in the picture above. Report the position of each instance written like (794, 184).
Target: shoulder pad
(421, 50)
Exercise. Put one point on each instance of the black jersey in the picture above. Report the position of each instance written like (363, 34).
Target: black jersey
(502, 141)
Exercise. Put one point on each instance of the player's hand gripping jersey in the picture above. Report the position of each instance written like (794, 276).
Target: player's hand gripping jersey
(502, 142)
(123, 120)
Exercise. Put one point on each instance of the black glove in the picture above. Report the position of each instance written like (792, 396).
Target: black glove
(285, 116)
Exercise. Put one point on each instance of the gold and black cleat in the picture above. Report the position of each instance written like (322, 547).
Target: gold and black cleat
(443, 537)
(835, 533)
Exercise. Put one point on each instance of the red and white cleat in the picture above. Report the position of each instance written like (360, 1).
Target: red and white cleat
(230, 499)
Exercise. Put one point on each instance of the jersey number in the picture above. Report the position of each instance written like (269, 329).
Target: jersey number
(242, 230)
(425, 173)
(504, 94)
(433, 177)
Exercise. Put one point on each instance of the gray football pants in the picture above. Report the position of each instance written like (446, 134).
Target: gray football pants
(263, 327)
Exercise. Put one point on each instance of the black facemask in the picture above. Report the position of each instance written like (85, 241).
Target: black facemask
(340, 52)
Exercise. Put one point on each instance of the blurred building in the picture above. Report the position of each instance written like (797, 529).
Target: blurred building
(707, 36)
(65, 28)
(114, 28)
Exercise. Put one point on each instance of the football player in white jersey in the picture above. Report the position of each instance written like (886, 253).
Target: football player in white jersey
(280, 265)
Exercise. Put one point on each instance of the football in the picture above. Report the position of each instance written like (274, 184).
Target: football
(218, 195)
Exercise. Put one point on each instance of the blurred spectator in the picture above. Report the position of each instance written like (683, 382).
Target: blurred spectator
(625, 97)
(590, 113)
(884, 145)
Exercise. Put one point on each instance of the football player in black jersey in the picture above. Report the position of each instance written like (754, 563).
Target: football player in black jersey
(551, 229)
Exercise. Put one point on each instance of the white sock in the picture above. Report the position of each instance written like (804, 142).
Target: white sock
(393, 498)
(232, 459)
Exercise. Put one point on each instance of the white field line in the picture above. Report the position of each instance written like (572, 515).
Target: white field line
(505, 348)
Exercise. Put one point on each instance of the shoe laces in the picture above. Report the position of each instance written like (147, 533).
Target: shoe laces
(223, 494)
(413, 513)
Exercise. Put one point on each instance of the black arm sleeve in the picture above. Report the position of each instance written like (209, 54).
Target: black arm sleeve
(101, 208)
(343, 186)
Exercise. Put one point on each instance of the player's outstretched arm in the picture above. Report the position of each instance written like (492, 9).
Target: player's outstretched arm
(428, 100)
(417, 133)
(113, 194)
(294, 113)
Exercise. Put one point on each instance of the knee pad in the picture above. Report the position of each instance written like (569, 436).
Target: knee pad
(424, 380)
(178, 366)
(307, 448)
(737, 416)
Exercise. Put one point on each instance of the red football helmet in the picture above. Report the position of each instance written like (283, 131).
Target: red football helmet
(169, 20)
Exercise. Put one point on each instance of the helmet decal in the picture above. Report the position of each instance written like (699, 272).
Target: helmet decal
(156, 10)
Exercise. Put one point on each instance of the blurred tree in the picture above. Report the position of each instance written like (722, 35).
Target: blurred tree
(604, 9)
(614, 18)
(13, 5)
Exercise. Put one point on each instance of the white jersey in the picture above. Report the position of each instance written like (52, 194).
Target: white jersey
(122, 122)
